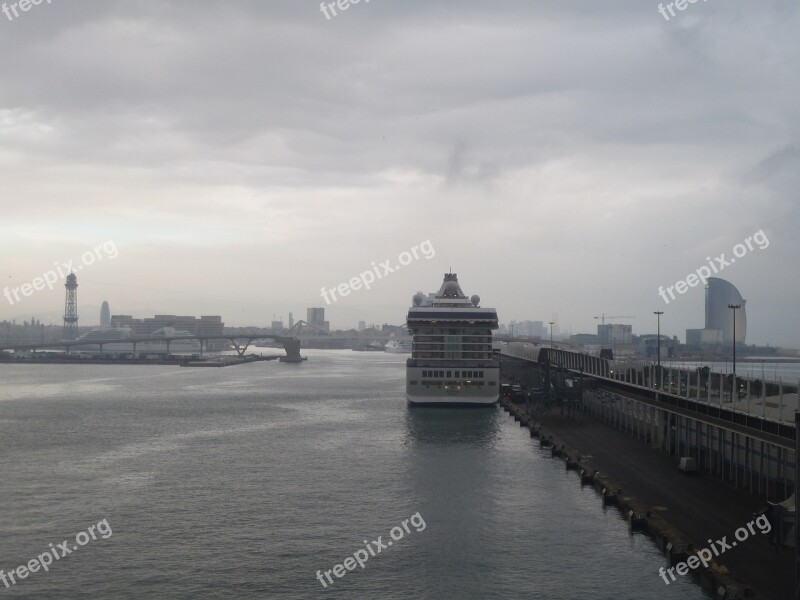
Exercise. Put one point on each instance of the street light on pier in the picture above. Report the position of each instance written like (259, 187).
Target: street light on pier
(733, 307)
(658, 314)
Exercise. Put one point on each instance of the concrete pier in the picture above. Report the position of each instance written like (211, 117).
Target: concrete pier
(680, 511)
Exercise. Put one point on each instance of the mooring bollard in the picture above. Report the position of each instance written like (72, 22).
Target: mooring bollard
(636, 521)
(609, 498)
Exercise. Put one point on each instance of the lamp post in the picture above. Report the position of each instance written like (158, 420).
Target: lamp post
(658, 314)
(796, 532)
(549, 361)
(733, 307)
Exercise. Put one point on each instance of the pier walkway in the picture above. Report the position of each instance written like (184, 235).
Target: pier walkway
(698, 506)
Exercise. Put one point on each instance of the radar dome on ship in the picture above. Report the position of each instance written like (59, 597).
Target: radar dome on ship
(475, 299)
(418, 298)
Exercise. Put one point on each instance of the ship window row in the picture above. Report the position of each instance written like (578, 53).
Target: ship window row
(441, 336)
(458, 374)
(467, 335)
(435, 346)
(442, 348)
(432, 342)
(459, 331)
(445, 384)
(452, 356)
(442, 343)
(440, 339)
(444, 339)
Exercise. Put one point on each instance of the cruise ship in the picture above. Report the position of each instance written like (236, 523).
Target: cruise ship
(451, 362)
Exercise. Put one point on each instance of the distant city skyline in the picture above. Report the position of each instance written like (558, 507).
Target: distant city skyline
(561, 176)
(523, 327)
(217, 305)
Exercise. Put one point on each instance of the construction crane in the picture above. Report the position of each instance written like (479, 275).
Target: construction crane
(602, 317)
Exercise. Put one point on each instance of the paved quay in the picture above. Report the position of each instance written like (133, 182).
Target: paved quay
(688, 508)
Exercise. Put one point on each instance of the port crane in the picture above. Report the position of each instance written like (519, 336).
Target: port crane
(602, 317)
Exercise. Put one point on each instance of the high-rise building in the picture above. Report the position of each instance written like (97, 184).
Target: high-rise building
(719, 294)
(719, 316)
(71, 308)
(696, 338)
(105, 314)
(291, 320)
(362, 325)
(530, 329)
(614, 334)
(316, 317)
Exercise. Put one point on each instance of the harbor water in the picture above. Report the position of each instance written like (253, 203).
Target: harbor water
(787, 371)
(246, 481)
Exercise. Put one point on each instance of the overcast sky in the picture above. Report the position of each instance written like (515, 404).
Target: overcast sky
(565, 158)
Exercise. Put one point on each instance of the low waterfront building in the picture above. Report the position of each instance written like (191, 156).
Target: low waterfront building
(205, 325)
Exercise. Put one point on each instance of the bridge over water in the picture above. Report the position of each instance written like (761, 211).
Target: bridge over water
(240, 342)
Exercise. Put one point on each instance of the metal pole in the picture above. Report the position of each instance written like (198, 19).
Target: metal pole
(735, 387)
(796, 530)
(748, 396)
(658, 314)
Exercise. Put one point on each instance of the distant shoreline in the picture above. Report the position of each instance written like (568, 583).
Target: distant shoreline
(780, 359)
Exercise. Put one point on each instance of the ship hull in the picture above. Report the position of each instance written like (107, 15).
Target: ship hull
(480, 385)
(455, 402)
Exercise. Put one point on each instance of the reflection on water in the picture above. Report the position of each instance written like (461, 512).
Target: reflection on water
(242, 482)
(476, 427)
